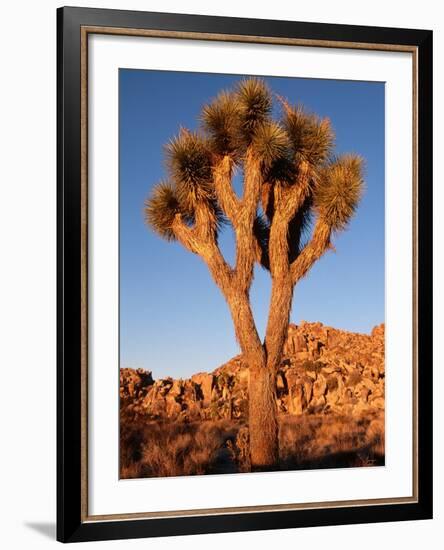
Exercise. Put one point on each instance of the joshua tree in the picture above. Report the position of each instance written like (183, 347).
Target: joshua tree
(296, 195)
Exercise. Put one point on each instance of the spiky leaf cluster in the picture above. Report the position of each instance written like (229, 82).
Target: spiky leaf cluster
(338, 190)
(254, 100)
(161, 208)
(189, 164)
(233, 117)
(220, 119)
(296, 150)
(270, 143)
(311, 137)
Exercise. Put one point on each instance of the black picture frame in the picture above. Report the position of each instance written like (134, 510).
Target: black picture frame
(71, 523)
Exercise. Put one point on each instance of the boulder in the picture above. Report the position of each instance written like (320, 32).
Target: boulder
(319, 386)
(323, 370)
(205, 381)
(297, 399)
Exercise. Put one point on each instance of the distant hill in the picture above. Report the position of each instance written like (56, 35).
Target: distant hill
(324, 371)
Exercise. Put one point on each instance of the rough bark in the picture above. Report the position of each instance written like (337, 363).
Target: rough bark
(243, 225)
(313, 250)
(244, 325)
(227, 198)
(278, 321)
(263, 425)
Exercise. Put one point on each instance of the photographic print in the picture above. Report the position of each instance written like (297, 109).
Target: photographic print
(244, 274)
(251, 273)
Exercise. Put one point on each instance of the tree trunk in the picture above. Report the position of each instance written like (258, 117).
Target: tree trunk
(263, 425)
(263, 417)
(278, 320)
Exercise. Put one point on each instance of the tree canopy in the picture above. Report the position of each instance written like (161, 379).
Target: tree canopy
(300, 177)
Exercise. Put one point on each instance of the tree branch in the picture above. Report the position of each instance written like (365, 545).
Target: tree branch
(203, 243)
(226, 197)
(205, 222)
(246, 243)
(245, 327)
(312, 251)
(252, 186)
(287, 201)
(186, 235)
(278, 318)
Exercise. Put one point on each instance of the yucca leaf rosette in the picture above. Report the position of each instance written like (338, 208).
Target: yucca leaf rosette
(161, 208)
(189, 164)
(254, 104)
(311, 137)
(220, 121)
(270, 143)
(339, 190)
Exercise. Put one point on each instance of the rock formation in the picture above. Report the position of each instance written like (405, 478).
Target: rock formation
(324, 371)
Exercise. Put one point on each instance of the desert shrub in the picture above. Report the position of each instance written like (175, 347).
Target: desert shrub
(164, 449)
(330, 441)
(168, 455)
(376, 435)
(131, 440)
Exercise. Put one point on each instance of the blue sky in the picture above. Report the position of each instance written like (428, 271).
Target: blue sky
(173, 319)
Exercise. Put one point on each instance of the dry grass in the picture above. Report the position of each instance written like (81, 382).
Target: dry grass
(158, 449)
(327, 441)
(163, 449)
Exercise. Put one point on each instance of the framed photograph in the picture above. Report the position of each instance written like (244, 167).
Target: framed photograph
(244, 274)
